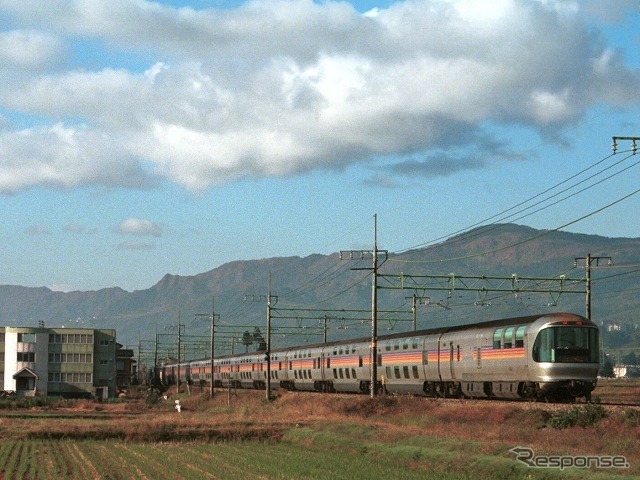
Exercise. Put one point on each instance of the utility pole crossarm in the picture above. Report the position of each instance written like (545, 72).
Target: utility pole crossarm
(634, 143)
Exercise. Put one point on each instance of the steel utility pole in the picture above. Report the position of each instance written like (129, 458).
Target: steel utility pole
(414, 307)
(212, 339)
(374, 300)
(180, 326)
(588, 262)
(271, 300)
(374, 312)
(268, 354)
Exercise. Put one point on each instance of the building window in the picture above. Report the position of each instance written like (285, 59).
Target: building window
(71, 338)
(27, 337)
(27, 357)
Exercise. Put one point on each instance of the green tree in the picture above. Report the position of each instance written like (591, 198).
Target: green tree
(606, 369)
(630, 359)
(247, 340)
(259, 339)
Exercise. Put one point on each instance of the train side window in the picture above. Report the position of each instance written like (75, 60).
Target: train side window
(388, 369)
(405, 344)
(520, 336)
(396, 345)
(415, 371)
(415, 343)
(497, 337)
(405, 371)
(387, 346)
(508, 337)
(396, 372)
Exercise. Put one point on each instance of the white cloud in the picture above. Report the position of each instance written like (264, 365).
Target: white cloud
(24, 49)
(141, 227)
(282, 87)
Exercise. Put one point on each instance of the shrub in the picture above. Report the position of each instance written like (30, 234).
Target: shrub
(368, 407)
(587, 416)
(632, 417)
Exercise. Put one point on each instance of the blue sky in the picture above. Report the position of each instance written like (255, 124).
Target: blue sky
(141, 138)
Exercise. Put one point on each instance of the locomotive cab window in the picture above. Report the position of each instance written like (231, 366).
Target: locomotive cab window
(566, 345)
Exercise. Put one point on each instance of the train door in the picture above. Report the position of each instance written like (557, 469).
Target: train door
(439, 357)
(452, 359)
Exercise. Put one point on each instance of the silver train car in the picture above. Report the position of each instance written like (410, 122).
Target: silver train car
(552, 357)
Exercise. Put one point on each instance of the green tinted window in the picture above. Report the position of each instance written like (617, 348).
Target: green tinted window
(497, 336)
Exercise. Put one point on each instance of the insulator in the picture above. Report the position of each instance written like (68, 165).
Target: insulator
(614, 146)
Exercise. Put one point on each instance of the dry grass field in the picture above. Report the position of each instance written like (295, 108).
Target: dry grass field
(300, 435)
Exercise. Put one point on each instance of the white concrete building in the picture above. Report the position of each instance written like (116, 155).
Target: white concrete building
(58, 361)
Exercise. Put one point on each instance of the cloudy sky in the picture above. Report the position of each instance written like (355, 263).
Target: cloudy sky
(139, 138)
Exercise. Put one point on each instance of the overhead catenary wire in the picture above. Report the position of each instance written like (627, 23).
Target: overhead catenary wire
(547, 232)
(437, 241)
(535, 237)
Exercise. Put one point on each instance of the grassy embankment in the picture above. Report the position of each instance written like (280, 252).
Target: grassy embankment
(314, 436)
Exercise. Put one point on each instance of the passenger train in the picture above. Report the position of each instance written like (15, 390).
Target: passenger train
(550, 357)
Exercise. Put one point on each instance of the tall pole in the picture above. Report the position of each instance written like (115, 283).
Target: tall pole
(588, 285)
(374, 312)
(268, 354)
(325, 329)
(179, 339)
(414, 310)
(374, 301)
(155, 357)
(213, 316)
(588, 262)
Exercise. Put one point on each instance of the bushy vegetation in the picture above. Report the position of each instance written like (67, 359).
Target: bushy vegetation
(21, 403)
(585, 416)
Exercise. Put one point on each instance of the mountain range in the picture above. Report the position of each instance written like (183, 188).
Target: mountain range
(306, 292)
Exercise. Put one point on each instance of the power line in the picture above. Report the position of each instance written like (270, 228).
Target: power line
(503, 218)
(530, 239)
